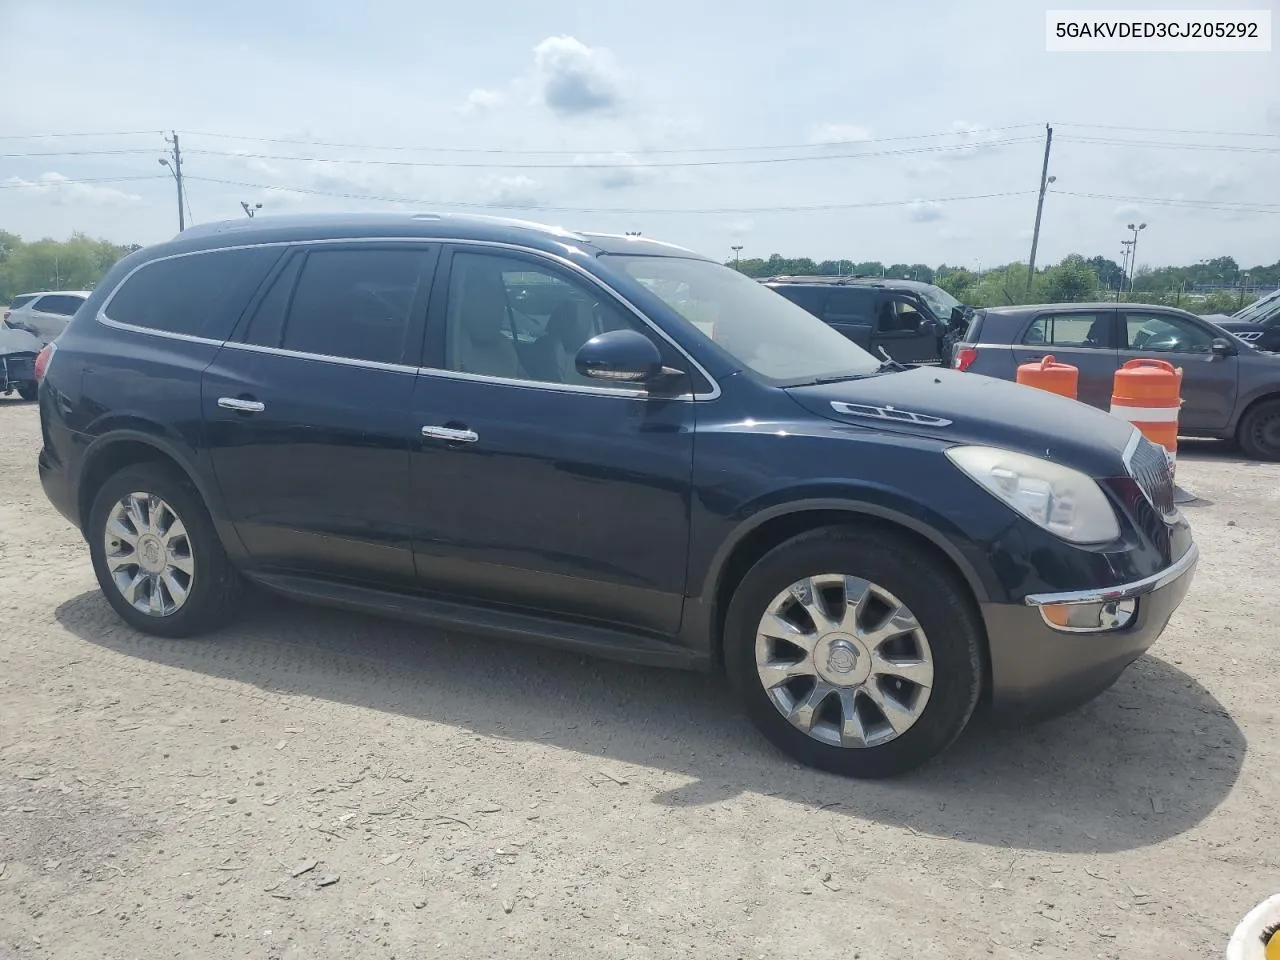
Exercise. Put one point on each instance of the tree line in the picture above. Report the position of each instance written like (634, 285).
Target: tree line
(1074, 279)
(74, 264)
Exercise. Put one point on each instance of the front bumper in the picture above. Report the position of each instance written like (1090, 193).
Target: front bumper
(1038, 669)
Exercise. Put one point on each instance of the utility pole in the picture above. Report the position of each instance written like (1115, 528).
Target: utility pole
(1124, 266)
(1045, 180)
(174, 162)
(1133, 255)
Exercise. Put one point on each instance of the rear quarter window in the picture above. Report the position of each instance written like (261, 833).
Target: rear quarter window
(196, 294)
(17, 302)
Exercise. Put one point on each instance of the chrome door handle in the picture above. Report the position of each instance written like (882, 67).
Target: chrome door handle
(241, 406)
(451, 434)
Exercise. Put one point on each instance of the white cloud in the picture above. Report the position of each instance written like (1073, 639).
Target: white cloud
(924, 211)
(617, 170)
(64, 191)
(967, 140)
(573, 78)
(838, 133)
(1128, 212)
(518, 191)
(740, 228)
(481, 101)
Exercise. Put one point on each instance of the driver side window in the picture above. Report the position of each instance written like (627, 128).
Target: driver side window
(898, 315)
(518, 319)
(1166, 333)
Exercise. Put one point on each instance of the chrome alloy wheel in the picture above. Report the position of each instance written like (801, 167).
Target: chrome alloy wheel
(149, 555)
(844, 661)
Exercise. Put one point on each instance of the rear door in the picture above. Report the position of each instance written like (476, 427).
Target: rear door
(1084, 338)
(308, 410)
(852, 311)
(1209, 382)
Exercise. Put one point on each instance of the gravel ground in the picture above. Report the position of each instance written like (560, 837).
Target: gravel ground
(314, 784)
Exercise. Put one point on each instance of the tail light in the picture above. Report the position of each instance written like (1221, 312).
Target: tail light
(43, 358)
(965, 357)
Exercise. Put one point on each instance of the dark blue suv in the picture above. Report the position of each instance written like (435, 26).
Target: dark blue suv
(608, 444)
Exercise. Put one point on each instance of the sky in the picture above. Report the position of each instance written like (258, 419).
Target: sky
(906, 132)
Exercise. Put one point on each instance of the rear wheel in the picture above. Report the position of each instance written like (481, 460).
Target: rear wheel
(854, 651)
(156, 554)
(1259, 432)
(29, 390)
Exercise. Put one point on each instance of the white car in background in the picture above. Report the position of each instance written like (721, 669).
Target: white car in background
(44, 314)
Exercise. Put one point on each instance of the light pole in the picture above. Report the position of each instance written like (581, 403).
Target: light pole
(1124, 266)
(175, 168)
(1133, 259)
(737, 260)
(250, 209)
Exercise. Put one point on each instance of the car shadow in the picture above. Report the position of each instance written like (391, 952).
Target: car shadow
(1146, 761)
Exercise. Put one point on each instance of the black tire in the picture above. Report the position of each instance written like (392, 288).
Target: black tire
(29, 391)
(216, 586)
(937, 597)
(1259, 431)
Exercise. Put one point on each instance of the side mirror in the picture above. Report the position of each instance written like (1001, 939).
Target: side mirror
(928, 328)
(1223, 348)
(619, 356)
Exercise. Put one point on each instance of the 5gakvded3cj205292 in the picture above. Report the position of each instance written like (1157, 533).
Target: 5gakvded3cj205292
(611, 445)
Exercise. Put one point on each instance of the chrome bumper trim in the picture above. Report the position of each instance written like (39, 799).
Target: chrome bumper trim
(1124, 591)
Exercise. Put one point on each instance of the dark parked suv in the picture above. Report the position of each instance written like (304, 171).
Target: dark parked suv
(911, 321)
(607, 444)
(1230, 389)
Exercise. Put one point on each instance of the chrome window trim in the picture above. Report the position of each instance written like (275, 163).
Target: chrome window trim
(104, 318)
(1124, 591)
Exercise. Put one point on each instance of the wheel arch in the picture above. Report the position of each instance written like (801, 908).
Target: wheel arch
(773, 526)
(1248, 408)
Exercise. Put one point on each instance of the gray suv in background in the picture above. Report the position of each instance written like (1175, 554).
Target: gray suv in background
(1230, 390)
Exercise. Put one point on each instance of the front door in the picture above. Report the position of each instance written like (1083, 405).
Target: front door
(1209, 382)
(1083, 338)
(532, 485)
(899, 329)
(852, 311)
(308, 411)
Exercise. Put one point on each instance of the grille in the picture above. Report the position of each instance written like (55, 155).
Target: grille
(1149, 466)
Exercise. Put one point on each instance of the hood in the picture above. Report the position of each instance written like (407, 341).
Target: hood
(13, 340)
(957, 407)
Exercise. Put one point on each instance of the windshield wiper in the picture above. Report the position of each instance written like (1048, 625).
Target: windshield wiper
(889, 362)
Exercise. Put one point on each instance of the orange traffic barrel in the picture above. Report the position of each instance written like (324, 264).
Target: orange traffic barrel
(1148, 394)
(1048, 374)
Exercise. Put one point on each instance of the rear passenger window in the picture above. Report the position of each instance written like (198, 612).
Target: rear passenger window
(1069, 330)
(356, 303)
(267, 327)
(197, 294)
(61, 304)
(850, 306)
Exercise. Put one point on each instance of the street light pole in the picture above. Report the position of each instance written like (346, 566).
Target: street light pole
(250, 209)
(1133, 259)
(737, 260)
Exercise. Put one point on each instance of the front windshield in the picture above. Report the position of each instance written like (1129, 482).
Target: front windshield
(1259, 309)
(760, 329)
(939, 301)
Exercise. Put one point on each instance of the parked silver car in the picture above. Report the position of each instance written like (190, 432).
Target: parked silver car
(44, 314)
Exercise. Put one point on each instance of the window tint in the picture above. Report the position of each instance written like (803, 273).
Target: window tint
(508, 317)
(850, 306)
(199, 294)
(63, 304)
(17, 302)
(1165, 333)
(899, 315)
(1069, 330)
(267, 326)
(811, 298)
(355, 303)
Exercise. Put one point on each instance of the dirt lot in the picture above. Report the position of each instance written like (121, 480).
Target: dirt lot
(314, 784)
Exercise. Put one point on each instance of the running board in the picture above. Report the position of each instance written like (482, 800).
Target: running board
(580, 637)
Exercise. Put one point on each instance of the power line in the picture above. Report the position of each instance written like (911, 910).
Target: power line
(77, 153)
(64, 183)
(52, 136)
(618, 210)
(1207, 133)
(615, 166)
(1224, 147)
(1229, 206)
(596, 152)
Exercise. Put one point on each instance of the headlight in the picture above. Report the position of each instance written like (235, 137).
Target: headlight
(1063, 501)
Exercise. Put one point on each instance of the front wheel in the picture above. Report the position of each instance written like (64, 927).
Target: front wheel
(854, 651)
(1259, 433)
(157, 555)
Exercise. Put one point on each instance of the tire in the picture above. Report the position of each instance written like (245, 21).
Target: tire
(899, 573)
(29, 391)
(1259, 431)
(213, 586)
